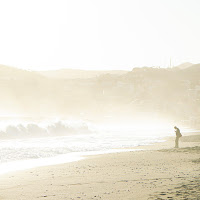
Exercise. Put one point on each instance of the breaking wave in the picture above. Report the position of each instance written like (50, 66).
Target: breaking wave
(57, 128)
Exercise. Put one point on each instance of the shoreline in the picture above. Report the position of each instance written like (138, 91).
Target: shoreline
(21, 165)
(155, 172)
(14, 166)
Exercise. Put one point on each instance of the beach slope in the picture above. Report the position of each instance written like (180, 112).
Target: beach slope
(158, 172)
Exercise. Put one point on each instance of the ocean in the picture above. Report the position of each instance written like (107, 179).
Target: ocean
(25, 145)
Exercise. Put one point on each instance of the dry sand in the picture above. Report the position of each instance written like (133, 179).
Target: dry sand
(158, 172)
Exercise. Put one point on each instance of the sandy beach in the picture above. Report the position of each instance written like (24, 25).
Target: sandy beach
(157, 172)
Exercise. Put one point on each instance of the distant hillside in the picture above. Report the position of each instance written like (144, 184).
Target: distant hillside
(21, 90)
(171, 92)
(11, 73)
(78, 74)
(184, 65)
(193, 72)
(194, 68)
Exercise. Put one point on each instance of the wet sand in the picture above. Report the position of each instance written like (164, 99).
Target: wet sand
(157, 172)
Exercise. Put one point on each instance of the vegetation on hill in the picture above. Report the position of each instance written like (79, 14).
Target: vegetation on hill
(171, 93)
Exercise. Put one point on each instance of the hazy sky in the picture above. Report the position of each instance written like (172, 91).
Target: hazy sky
(98, 34)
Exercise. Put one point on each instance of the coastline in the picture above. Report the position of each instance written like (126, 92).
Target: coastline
(159, 171)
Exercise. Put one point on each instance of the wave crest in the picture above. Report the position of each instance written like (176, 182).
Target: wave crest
(59, 128)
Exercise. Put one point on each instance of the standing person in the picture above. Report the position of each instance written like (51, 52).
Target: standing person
(178, 135)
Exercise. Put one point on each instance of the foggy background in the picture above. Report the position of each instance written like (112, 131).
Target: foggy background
(141, 94)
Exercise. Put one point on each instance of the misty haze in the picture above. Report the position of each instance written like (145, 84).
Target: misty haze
(153, 93)
(99, 100)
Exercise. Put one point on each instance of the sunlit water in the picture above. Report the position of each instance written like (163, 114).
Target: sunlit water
(74, 141)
